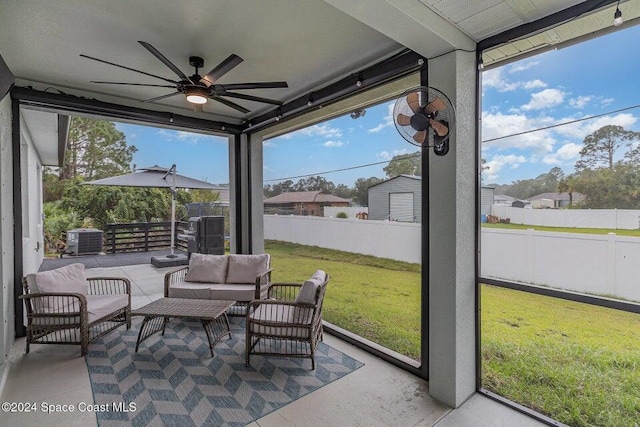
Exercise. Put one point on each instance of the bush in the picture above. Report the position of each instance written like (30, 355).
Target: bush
(342, 215)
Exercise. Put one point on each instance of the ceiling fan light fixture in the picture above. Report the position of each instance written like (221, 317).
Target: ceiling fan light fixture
(197, 95)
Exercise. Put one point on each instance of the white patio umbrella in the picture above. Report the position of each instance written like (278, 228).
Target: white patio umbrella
(158, 177)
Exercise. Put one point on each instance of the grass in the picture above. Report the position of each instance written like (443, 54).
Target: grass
(376, 298)
(577, 363)
(618, 231)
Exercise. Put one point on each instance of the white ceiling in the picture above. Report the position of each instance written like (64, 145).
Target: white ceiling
(308, 43)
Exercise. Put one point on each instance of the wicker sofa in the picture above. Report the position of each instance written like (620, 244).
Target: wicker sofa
(64, 307)
(289, 322)
(235, 277)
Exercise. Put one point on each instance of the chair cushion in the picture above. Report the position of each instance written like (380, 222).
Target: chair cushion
(207, 268)
(270, 315)
(100, 306)
(68, 279)
(245, 268)
(309, 288)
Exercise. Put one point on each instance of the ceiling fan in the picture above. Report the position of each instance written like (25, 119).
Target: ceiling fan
(199, 89)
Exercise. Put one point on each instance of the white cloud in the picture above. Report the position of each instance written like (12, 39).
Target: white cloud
(499, 162)
(493, 79)
(180, 135)
(522, 66)
(579, 130)
(268, 143)
(331, 144)
(607, 101)
(545, 99)
(534, 84)
(496, 125)
(580, 101)
(386, 121)
(323, 130)
(569, 152)
(385, 155)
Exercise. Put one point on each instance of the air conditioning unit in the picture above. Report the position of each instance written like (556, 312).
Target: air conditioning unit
(84, 241)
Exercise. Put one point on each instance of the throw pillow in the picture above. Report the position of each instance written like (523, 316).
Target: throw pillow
(207, 268)
(68, 279)
(245, 268)
(308, 291)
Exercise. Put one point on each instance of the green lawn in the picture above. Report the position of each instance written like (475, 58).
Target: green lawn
(577, 363)
(619, 232)
(376, 298)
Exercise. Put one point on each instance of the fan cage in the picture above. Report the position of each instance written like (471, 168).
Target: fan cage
(426, 95)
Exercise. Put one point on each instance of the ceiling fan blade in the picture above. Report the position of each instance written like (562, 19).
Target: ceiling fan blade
(403, 120)
(414, 102)
(155, 52)
(128, 68)
(221, 69)
(231, 104)
(420, 137)
(131, 84)
(158, 98)
(435, 105)
(250, 98)
(440, 128)
(258, 85)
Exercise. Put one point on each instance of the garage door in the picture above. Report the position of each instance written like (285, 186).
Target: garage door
(401, 207)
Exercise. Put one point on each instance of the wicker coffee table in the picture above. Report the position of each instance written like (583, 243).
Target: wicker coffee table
(212, 314)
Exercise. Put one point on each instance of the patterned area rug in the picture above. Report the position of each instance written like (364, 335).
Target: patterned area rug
(174, 381)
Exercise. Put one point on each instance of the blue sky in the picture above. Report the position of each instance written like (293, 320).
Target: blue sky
(590, 78)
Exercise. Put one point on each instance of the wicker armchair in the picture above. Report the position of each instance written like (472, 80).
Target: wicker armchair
(73, 318)
(286, 324)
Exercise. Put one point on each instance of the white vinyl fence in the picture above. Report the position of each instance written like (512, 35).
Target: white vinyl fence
(626, 219)
(599, 264)
(351, 211)
(384, 239)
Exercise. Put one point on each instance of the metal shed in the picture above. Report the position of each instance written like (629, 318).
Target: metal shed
(396, 199)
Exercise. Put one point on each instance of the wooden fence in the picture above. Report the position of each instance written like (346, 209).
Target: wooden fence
(142, 236)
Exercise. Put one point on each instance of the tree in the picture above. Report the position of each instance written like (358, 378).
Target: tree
(600, 147)
(344, 191)
(314, 183)
(95, 150)
(361, 190)
(606, 188)
(404, 164)
(275, 189)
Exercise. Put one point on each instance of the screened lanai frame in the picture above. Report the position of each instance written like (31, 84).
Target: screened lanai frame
(391, 69)
(484, 45)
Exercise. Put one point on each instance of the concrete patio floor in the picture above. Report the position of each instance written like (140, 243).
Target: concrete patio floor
(378, 394)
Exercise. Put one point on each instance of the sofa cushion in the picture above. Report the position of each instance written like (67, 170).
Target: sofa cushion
(245, 268)
(207, 268)
(271, 315)
(68, 279)
(220, 291)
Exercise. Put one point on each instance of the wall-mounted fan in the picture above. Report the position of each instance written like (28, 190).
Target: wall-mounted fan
(198, 89)
(425, 117)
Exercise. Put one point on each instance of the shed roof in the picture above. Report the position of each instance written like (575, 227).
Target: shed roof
(558, 196)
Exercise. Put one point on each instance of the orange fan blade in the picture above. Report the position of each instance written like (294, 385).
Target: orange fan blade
(420, 136)
(440, 128)
(414, 101)
(403, 120)
(435, 105)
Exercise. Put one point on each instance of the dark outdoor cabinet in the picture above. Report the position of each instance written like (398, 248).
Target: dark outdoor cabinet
(206, 235)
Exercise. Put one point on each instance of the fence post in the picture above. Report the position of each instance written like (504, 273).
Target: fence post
(113, 239)
(146, 237)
